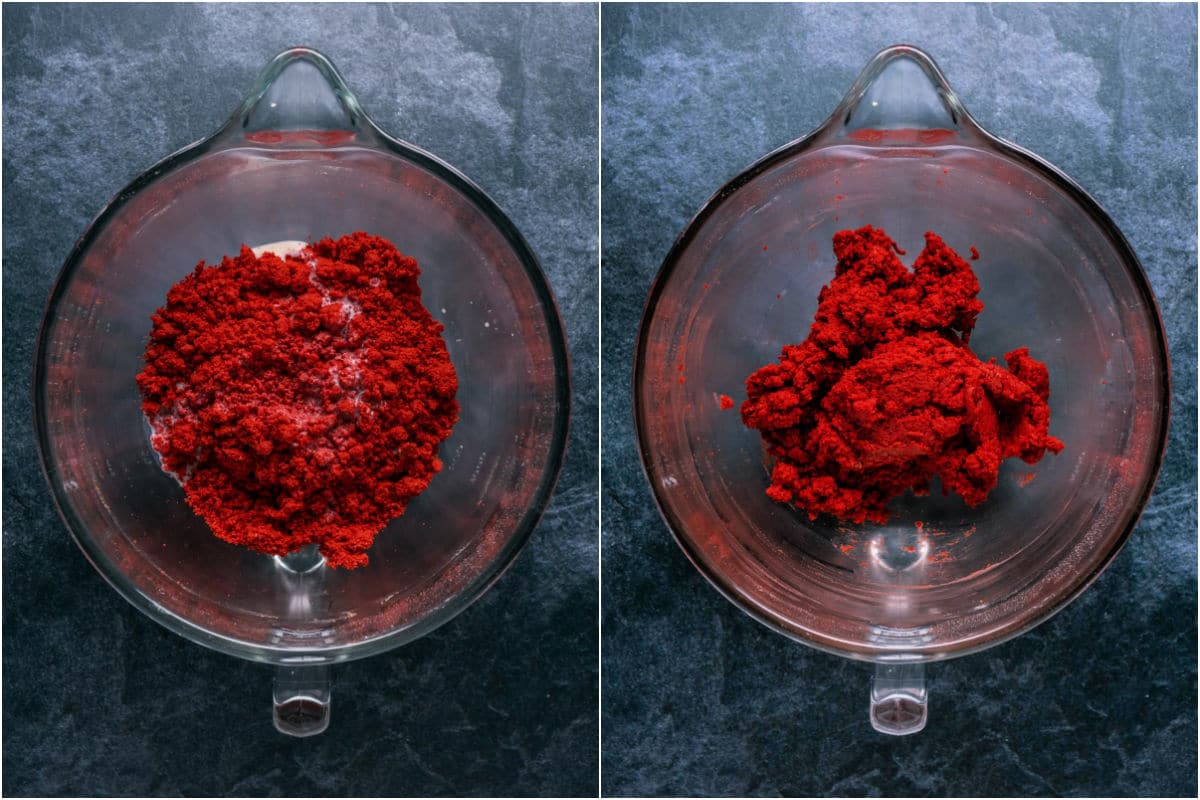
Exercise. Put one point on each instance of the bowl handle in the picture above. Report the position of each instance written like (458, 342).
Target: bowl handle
(301, 699)
(299, 101)
(899, 698)
(901, 98)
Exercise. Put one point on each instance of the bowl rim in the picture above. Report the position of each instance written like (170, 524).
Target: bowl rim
(813, 141)
(472, 591)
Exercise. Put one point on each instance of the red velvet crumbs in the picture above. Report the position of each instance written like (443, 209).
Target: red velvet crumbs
(726, 402)
(885, 392)
(302, 399)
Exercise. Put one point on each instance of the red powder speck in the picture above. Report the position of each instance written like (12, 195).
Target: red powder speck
(1103, 382)
(1025, 479)
(838, 198)
(967, 533)
(1029, 212)
(726, 402)
(846, 549)
(764, 247)
(919, 525)
(910, 549)
(706, 286)
(939, 181)
(836, 218)
(974, 253)
(837, 180)
(945, 172)
(679, 366)
(779, 296)
(682, 380)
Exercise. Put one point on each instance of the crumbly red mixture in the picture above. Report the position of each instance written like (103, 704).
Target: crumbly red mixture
(300, 399)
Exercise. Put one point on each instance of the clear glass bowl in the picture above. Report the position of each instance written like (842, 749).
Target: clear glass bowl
(300, 161)
(741, 281)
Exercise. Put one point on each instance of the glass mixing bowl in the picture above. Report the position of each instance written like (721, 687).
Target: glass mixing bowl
(741, 281)
(299, 161)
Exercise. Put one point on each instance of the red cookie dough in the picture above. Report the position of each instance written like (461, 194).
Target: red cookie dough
(885, 393)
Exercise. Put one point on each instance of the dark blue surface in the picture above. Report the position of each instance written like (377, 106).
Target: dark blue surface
(700, 699)
(100, 700)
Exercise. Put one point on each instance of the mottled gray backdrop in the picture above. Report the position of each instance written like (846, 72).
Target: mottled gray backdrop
(700, 699)
(100, 700)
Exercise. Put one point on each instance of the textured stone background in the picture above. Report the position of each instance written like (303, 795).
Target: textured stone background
(100, 700)
(700, 699)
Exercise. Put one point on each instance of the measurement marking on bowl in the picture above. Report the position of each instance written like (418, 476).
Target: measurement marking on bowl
(478, 466)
